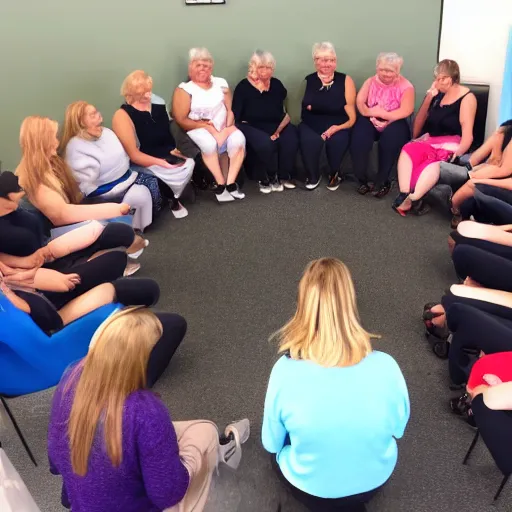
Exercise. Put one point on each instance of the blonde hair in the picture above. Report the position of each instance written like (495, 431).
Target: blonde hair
(115, 366)
(38, 166)
(324, 47)
(199, 54)
(262, 58)
(73, 124)
(135, 85)
(326, 328)
(449, 68)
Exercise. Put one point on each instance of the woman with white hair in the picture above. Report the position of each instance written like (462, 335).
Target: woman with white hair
(202, 107)
(144, 131)
(384, 102)
(272, 141)
(328, 113)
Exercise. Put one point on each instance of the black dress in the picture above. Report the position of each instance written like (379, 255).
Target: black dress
(327, 103)
(443, 119)
(153, 130)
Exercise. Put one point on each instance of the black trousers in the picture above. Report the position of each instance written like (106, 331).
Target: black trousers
(488, 269)
(355, 503)
(391, 140)
(475, 329)
(495, 428)
(174, 330)
(491, 205)
(311, 145)
(267, 158)
(504, 251)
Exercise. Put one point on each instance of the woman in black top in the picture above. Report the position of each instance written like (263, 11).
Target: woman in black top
(272, 141)
(443, 130)
(144, 131)
(328, 113)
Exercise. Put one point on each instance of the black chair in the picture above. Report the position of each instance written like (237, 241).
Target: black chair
(17, 428)
(481, 92)
(495, 429)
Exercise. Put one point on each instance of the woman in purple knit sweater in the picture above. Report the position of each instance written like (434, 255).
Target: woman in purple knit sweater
(113, 441)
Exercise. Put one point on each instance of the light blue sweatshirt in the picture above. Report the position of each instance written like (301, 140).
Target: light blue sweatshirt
(334, 429)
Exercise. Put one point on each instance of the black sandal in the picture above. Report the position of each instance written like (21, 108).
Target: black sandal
(434, 330)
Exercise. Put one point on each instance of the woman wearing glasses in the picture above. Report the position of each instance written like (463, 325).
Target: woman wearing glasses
(443, 130)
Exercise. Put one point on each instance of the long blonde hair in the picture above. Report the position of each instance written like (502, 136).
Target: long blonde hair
(73, 124)
(326, 328)
(115, 366)
(38, 166)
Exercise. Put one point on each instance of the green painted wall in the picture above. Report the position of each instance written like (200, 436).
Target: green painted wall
(53, 52)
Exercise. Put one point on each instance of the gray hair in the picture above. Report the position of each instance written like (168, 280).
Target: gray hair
(262, 58)
(391, 58)
(199, 54)
(323, 47)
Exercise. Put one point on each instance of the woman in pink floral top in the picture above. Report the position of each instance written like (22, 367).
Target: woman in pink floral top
(384, 102)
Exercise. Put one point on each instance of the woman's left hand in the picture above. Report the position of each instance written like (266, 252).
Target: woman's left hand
(492, 380)
(329, 132)
(178, 153)
(274, 136)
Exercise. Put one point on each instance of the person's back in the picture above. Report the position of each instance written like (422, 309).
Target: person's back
(341, 422)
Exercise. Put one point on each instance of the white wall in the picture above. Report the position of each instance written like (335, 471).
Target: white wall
(475, 34)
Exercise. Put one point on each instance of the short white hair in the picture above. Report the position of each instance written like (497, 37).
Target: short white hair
(199, 54)
(262, 58)
(391, 58)
(324, 47)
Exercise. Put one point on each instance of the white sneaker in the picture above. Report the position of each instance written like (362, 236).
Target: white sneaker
(131, 268)
(225, 197)
(237, 194)
(312, 186)
(137, 254)
(276, 185)
(180, 213)
(231, 453)
(264, 188)
(289, 184)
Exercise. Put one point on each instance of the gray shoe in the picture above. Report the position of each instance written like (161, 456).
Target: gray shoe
(231, 453)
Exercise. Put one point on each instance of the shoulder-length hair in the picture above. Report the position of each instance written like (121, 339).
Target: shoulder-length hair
(326, 328)
(39, 166)
(73, 124)
(115, 366)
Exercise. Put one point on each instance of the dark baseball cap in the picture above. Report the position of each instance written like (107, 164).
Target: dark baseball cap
(9, 184)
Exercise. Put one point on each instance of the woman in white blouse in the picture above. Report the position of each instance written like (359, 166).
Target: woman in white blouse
(202, 107)
(101, 166)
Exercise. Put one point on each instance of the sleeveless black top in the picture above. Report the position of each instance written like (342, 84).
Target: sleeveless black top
(443, 119)
(327, 104)
(153, 130)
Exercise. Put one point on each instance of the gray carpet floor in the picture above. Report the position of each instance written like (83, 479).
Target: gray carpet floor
(232, 271)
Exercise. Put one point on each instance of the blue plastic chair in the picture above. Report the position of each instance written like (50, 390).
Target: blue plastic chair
(32, 361)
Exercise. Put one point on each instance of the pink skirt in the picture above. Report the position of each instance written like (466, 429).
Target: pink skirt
(428, 151)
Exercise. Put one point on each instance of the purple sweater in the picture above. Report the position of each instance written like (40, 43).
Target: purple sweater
(151, 476)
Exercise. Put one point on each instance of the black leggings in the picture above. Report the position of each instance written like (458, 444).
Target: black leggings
(354, 503)
(488, 269)
(495, 428)
(475, 330)
(490, 204)
(174, 330)
(500, 250)
(391, 140)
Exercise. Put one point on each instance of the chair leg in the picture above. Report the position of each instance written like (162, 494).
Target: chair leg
(18, 431)
(471, 447)
(500, 488)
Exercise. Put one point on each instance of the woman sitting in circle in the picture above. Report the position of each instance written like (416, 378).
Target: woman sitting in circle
(328, 113)
(384, 102)
(334, 436)
(260, 114)
(443, 130)
(145, 133)
(112, 439)
(101, 166)
(202, 107)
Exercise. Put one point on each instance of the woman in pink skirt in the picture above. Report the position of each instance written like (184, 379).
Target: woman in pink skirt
(443, 130)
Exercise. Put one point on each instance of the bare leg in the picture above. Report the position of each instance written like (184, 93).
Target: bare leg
(235, 164)
(138, 244)
(427, 181)
(496, 234)
(465, 192)
(213, 165)
(451, 244)
(404, 172)
(224, 164)
(440, 320)
(498, 297)
(89, 301)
